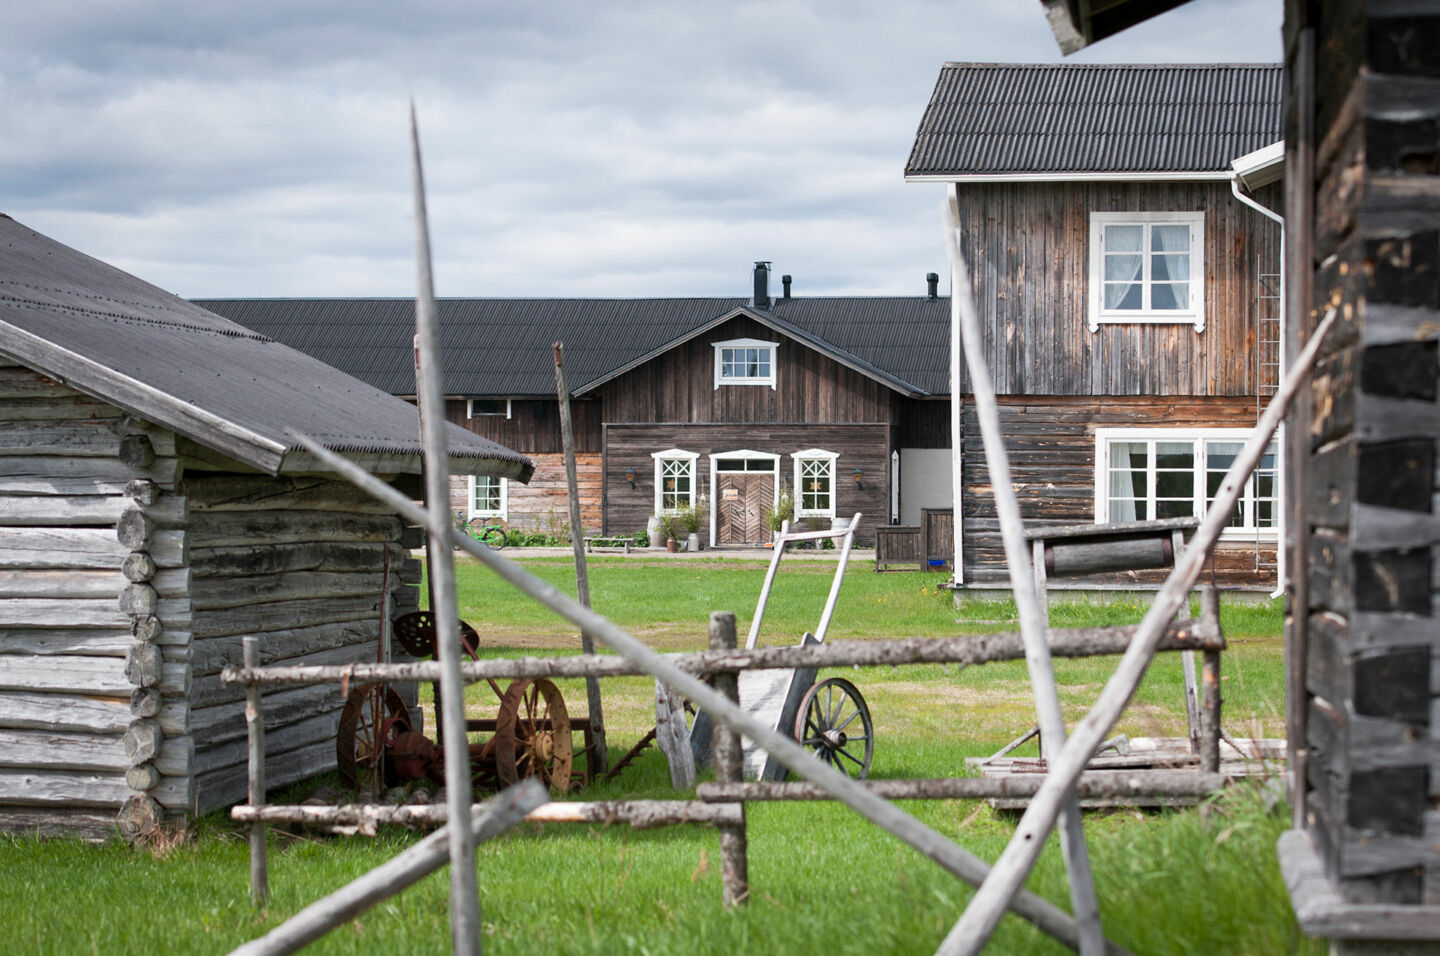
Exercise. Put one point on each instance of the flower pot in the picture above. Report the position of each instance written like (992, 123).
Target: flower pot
(655, 528)
(692, 543)
(670, 545)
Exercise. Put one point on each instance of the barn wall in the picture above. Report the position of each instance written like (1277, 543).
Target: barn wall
(92, 688)
(863, 446)
(543, 505)
(1051, 441)
(300, 562)
(534, 424)
(1028, 243)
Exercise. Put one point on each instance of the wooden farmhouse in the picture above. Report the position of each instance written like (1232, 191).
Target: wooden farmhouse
(156, 508)
(1120, 227)
(675, 400)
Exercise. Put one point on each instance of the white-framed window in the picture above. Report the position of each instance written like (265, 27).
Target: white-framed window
(674, 479)
(745, 362)
(815, 483)
(1147, 267)
(487, 407)
(489, 497)
(1143, 474)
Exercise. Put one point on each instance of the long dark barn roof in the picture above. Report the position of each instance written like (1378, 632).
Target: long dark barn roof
(109, 334)
(1013, 118)
(502, 347)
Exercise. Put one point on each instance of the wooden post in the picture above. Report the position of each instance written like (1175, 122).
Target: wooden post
(673, 737)
(1042, 593)
(1193, 720)
(486, 820)
(1083, 898)
(729, 759)
(464, 896)
(255, 725)
(1210, 727)
(598, 760)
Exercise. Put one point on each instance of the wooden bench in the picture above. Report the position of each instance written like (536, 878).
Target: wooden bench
(596, 541)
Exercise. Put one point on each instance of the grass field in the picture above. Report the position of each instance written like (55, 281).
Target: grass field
(821, 880)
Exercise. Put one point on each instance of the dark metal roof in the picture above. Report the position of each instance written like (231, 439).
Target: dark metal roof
(109, 334)
(502, 347)
(1009, 118)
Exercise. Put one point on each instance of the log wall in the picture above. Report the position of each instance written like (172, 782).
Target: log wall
(543, 504)
(94, 614)
(1051, 441)
(1364, 714)
(299, 561)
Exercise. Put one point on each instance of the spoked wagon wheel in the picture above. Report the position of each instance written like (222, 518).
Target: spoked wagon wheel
(373, 716)
(532, 735)
(834, 722)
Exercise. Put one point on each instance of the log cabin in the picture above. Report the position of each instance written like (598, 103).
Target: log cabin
(1119, 225)
(156, 507)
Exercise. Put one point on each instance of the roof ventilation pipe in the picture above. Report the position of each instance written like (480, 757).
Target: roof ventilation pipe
(785, 283)
(762, 285)
(932, 279)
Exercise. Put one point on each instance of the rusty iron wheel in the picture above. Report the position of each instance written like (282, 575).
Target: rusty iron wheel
(373, 715)
(416, 633)
(834, 722)
(532, 735)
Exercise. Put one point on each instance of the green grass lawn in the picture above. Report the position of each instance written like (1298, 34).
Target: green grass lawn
(821, 879)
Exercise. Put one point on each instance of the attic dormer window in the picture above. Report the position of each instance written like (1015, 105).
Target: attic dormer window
(745, 362)
(1147, 267)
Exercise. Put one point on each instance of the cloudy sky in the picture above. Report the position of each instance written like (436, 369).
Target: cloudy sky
(572, 147)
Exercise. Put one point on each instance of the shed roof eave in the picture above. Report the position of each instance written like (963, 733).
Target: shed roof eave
(1072, 177)
(139, 399)
(300, 461)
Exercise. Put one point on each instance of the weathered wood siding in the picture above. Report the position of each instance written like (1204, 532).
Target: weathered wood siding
(94, 667)
(1364, 699)
(534, 424)
(543, 504)
(679, 386)
(1028, 248)
(300, 562)
(1051, 442)
(922, 423)
(864, 446)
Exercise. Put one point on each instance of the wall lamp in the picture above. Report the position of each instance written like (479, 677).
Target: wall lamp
(630, 477)
(859, 478)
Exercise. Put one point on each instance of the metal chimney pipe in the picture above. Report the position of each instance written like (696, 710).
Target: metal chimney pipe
(785, 282)
(762, 285)
(932, 279)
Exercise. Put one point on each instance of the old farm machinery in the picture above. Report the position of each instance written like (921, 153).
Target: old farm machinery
(379, 745)
(830, 718)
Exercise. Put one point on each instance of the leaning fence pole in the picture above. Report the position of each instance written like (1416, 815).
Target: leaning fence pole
(927, 841)
(1022, 581)
(464, 895)
(487, 820)
(598, 752)
(1006, 877)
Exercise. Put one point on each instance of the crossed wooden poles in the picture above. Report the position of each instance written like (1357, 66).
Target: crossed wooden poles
(1000, 887)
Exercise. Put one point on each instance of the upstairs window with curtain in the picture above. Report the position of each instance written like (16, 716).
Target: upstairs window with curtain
(1147, 267)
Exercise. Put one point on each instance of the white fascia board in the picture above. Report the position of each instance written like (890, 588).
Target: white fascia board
(1155, 177)
(1261, 167)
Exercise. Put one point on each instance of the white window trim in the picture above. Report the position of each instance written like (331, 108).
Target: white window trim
(672, 454)
(471, 413)
(1104, 436)
(745, 344)
(743, 453)
(1195, 315)
(813, 454)
(503, 514)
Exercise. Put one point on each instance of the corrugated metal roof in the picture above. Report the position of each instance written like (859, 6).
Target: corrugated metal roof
(112, 335)
(502, 347)
(1006, 118)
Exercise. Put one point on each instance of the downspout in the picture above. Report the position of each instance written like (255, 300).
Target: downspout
(1281, 571)
(957, 478)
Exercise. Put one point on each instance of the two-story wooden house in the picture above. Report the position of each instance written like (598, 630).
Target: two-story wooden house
(842, 401)
(1128, 288)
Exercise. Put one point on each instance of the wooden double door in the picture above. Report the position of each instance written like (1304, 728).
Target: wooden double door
(742, 499)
